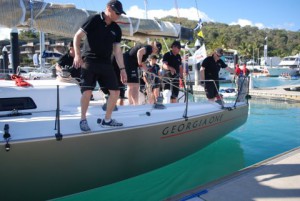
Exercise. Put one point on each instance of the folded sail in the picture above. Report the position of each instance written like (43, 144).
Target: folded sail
(65, 20)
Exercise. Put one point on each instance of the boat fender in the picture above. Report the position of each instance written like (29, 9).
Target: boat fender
(6, 137)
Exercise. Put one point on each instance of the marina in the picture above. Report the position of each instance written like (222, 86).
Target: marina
(284, 93)
(226, 149)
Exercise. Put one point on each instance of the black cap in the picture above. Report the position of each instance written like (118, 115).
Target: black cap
(219, 51)
(159, 47)
(176, 44)
(116, 6)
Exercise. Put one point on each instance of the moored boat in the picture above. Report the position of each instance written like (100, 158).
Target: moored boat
(45, 155)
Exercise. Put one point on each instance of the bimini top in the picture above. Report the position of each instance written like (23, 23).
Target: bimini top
(58, 19)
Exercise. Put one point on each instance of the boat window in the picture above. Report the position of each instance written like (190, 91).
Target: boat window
(16, 103)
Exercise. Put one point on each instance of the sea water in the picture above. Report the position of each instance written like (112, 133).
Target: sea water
(273, 127)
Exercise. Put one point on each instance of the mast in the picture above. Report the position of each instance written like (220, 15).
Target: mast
(146, 15)
(266, 50)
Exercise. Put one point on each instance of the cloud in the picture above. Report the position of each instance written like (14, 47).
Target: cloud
(245, 22)
(189, 13)
(4, 33)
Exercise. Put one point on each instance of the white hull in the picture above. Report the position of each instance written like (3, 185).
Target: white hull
(40, 167)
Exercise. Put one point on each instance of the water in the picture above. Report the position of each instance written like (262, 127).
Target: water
(272, 128)
(261, 82)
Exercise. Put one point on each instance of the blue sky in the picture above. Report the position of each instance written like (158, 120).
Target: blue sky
(273, 14)
(281, 14)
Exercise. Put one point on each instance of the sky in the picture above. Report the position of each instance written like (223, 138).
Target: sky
(272, 14)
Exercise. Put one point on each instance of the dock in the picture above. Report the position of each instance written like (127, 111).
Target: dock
(285, 93)
(277, 178)
(288, 92)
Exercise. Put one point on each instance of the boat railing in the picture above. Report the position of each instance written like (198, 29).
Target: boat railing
(240, 94)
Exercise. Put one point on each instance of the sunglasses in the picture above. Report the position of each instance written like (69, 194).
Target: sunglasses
(117, 13)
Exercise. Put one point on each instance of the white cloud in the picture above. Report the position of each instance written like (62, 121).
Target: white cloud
(244, 22)
(4, 33)
(189, 13)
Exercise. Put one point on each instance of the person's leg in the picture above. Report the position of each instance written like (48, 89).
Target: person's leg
(129, 89)
(156, 93)
(87, 86)
(210, 91)
(175, 90)
(111, 102)
(133, 93)
(85, 101)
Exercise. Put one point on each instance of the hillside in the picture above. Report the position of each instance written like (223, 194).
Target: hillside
(247, 40)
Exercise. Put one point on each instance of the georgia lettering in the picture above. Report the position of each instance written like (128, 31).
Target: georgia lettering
(191, 125)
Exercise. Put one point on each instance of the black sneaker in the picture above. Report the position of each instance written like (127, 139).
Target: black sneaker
(111, 123)
(84, 125)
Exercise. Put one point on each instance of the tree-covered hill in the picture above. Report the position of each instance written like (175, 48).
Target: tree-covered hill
(247, 40)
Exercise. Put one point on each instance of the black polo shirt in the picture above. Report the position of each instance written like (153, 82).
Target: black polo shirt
(212, 67)
(66, 62)
(173, 60)
(98, 45)
(133, 53)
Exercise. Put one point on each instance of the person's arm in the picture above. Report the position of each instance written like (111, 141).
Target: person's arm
(117, 51)
(181, 70)
(140, 53)
(231, 70)
(202, 75)
(58, 68)
(145, 78)
(76, 43)
(166, 66)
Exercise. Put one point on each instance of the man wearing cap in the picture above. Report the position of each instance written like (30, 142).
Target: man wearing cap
(209, 74)
(134, 58)
(172, 64)
(102, 37)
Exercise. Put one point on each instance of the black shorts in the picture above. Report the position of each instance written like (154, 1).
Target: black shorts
(210, 89)
(172, 83)
(131, 69)
(91, 72)
(122, 87)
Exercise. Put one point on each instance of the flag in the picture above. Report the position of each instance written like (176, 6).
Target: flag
(200, 34)
(200, 54)
(199, 25)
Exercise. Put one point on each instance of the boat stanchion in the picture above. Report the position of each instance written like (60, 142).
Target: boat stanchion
(58, 135)
(6, 137)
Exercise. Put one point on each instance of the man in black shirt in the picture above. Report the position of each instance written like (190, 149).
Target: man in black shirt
(102, 38)
(209, 74)
(135, 58)
(64, 65)
(172, 63)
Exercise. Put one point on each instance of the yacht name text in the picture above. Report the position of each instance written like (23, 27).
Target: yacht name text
(191, 125)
